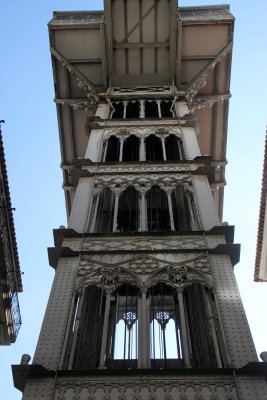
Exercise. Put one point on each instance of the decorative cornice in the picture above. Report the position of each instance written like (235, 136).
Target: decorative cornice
(144, 243)
(144, 271)
(116, 169)
(76, 18)
(138, 122)
(157, 389)
(144, 132)
(141, 182)
(201, 14)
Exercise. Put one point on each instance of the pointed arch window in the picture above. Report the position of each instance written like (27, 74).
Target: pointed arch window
(132, 109)
(174, 148)
(128, 211)
(104, 211)
(118, 111)
(154, 150)
(111, 150)
(85, 334)
(184, 210)
(179, 327)
(165, 108)
(122, 346)
(131, 149)
(204, 343)
(165, 327)
(158, 217)
(151, 109)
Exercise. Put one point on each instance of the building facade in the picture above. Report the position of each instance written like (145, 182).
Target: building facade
(260, 271)
(10, 275)
(144, 303)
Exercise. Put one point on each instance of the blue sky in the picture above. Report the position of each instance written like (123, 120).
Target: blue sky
(33, 155)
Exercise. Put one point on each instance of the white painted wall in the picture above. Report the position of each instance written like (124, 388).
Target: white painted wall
(81, 206)
(205, 203)
(94, 148)
(102, 111)
(181, 108)
(191, 146)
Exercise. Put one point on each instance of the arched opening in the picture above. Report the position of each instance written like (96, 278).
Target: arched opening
(173, 146)
(184, 210)
(123, 328)
(131, 149)
(151, 109)
(165, 328)
(203, 345)
(105, 211)
(165, 108)
(153, 149)
(132, 109)
(118, 110)
(85, 341)
(158, 217)
(112, 151)
(128, 211)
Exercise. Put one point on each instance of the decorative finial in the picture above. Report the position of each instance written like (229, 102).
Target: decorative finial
(25, 359)
(263, 356)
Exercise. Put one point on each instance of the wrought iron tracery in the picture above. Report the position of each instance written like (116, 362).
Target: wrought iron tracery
(122, 339)
(133, 203)
(172, 295)
(165, 327)
(144, 108)
(144, 145)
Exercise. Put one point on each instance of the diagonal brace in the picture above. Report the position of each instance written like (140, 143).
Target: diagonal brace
(83, 83)
(200, 80)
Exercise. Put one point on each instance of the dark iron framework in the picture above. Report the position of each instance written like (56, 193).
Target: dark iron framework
(10, 283)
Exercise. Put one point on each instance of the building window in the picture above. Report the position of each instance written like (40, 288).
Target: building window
(174, 148)
(180, 209)
(103, 211)
(154, 150)
(158, 217)
(165, 329)
(142, 109)
(165, 108)
(132, 109)
(122, 346)
(111, 149)
(156, 211)
(128, 211)
(205, 350)
(184, 210)
(131, 149)
(118, 110)
(151, 109)
(85, 333)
